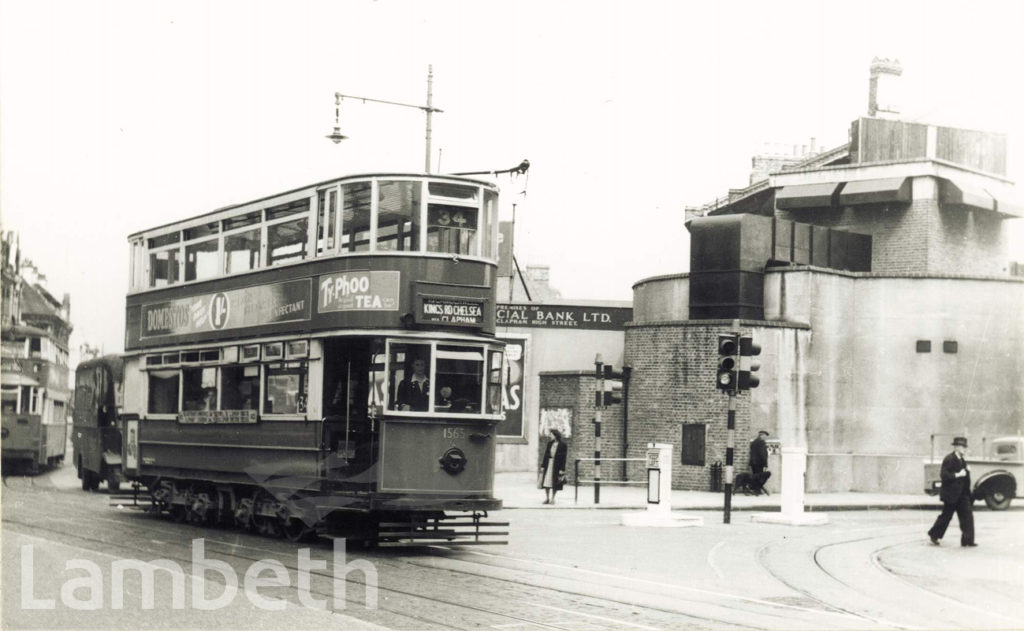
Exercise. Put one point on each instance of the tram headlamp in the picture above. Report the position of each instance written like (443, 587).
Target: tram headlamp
(453, 461)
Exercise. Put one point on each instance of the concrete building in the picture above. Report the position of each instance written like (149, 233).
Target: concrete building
(876, 277)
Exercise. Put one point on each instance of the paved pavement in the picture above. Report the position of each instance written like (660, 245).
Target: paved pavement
(519, 490)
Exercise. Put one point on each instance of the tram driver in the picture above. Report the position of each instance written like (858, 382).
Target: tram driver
(414, 391)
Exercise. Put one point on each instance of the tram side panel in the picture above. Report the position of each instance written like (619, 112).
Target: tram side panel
(451, 460)
(23, 438)
(258, 453)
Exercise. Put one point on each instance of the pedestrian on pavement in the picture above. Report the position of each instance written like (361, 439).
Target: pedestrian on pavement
(956, 496)
(552, 469)
(759, 453)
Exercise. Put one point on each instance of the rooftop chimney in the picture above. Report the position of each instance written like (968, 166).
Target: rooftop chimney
(883, 90)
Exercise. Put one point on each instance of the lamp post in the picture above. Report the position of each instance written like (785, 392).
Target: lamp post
(336, 136)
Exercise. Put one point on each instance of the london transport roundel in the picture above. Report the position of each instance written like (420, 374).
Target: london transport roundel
(219, 310)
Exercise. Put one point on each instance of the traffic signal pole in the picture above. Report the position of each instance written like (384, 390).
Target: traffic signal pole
(730, 445)
(598, 404)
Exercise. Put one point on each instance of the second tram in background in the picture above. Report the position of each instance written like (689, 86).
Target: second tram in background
(322, 360)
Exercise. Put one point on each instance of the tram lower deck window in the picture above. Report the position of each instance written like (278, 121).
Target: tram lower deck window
(199, 389)
(460, 371)
(285, 389)
(240, 387)
(163, 392)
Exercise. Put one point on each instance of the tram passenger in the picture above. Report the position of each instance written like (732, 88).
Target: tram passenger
(414, 391)
(444, 398)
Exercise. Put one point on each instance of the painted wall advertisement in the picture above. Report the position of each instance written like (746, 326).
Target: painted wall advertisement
(555, 418)
(234, 309)
(515, 382)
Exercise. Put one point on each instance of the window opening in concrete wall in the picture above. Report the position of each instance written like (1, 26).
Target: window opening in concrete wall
(924, 346)
(692, 451)
(949, 346)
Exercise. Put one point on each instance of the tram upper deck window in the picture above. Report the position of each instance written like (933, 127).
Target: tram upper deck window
(326, 220)
(355, 220)
(451, 229)
(398, 216)
(242, 243)
(163, 268)
(287, 238)
(489, 225)
(242, 251)
(452, 220)
(201, 260)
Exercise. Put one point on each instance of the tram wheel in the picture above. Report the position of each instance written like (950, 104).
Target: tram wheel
(269, 526)
(296, 530)
(178, 513)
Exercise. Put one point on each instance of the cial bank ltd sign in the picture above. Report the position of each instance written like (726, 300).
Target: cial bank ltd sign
(564, 317)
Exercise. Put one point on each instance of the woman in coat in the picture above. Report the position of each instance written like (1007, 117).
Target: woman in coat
(552, 469)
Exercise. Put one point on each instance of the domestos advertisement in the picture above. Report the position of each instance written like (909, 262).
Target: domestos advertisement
(233, 309)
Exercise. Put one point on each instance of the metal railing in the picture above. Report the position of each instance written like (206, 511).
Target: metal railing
(597, 481)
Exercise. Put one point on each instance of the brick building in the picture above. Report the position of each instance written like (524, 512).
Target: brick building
(877, 279)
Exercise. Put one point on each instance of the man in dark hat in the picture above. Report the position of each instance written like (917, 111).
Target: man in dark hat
(955, 496)
(759, 453)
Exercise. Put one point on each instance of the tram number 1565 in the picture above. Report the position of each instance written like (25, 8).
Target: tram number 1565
(451, 433)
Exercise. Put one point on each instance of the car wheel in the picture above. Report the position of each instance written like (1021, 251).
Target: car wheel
(997, 499)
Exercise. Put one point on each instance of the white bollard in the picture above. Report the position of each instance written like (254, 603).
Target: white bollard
(794, 466)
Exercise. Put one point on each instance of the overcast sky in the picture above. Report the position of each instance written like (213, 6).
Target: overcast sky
(116, 116)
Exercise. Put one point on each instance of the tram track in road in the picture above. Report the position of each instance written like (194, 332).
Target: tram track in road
(599, 599)
(403, 603)
(636, 607)
(708, 608)
(847, 576)
(469, 587)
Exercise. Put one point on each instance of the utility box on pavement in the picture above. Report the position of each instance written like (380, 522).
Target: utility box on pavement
(659, 493)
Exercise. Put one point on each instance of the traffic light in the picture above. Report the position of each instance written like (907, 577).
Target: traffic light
(613, 384)
(747, 378)
(728, 347)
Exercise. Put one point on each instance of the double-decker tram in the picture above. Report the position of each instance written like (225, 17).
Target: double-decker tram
(321, 361)
(35, 395)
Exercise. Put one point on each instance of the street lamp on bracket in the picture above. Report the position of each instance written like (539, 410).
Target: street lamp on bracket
(336, 136)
